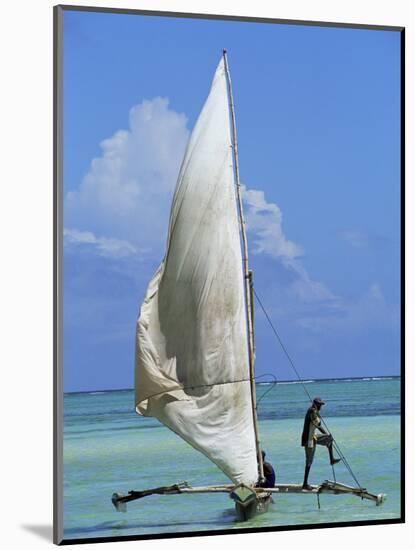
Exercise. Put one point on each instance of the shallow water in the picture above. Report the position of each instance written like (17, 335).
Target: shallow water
(107, 448)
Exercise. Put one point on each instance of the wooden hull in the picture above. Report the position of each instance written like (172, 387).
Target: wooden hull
(248, 503)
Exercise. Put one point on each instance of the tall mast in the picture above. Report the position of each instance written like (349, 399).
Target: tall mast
(247, 273)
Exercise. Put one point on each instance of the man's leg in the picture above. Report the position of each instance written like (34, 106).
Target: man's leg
(309, 455)
(327, 441)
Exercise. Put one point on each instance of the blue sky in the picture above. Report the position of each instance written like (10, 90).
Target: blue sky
(319, 145)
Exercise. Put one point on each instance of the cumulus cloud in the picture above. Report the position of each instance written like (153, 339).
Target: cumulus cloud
(305, 288)
(127, 190)
(104, 246)
(264, 219)
(120, 211)
(315, 307)
(122, 205)
(264, 222)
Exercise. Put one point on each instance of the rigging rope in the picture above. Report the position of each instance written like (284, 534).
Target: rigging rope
(223, 383)
(335, 444)
(274, 382)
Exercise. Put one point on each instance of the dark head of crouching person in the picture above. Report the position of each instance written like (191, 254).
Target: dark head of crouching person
(269, 474)
(309, 439)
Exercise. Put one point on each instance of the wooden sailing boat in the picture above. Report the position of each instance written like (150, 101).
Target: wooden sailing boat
(195, 336)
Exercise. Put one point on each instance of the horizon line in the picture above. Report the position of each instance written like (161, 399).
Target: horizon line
(277, 382)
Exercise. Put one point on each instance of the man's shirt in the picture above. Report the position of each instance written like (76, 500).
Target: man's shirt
(312, 421)
(269, 475)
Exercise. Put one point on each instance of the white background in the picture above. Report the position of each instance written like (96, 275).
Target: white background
(26, 273)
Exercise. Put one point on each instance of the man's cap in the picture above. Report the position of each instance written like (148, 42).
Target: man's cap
(318, 400)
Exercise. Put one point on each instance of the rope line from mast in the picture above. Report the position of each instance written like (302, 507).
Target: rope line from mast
(335, 444)
(274, 383)
(199, 386)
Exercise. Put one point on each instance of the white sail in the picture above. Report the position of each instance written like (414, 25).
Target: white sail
(191, 367)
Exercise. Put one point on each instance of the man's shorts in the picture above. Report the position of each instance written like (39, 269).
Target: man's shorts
(321, 439)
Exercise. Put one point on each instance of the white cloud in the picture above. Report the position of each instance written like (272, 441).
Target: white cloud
(264, 219)
(127, 190)
(122, 205)
(305, 289)
(106, 247)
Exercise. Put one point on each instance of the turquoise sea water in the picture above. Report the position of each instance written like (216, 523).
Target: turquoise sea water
(108, 448)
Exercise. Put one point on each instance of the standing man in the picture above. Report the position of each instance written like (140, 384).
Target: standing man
(309, 440)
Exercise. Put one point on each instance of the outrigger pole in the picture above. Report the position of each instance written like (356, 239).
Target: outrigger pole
(248, 282)
(327, 487)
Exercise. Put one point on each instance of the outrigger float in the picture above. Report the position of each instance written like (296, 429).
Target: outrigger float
(195, 344)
